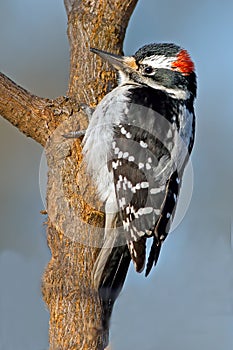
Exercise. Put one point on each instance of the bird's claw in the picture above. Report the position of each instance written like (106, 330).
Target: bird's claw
(87, 110)
(74, 134)
(80, 133)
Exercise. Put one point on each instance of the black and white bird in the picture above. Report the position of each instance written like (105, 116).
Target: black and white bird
(136, 147)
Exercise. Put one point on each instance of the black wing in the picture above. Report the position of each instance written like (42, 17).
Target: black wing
(147, 178)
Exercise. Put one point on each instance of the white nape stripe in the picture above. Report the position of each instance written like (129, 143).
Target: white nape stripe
(179, 94)
(158, 61)
(161, 61)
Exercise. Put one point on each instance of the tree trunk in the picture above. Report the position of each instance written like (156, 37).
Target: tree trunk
(74, 213)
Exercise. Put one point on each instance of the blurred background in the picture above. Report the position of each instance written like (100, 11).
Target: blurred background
(187, 301)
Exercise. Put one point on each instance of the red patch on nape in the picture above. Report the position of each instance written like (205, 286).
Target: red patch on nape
(183, 64)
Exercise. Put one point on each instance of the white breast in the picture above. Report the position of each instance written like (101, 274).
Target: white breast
(99, 137)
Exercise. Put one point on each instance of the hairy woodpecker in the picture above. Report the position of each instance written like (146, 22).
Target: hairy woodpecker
(136, 147)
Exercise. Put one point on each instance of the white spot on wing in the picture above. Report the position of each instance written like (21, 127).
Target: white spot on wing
(125, 154)
(140, 165)
(129, 184)
(118, 185)
(144, 184)
(123, 131)
(126, 225)
(141, 233)
(115, 164)
(122, 202)
(169, 134)
(157, 190)
(157, 211)
(144, 211)
(120, 154)
(143, 144)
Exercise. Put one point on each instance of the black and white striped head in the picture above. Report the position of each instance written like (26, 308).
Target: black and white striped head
(161, 66)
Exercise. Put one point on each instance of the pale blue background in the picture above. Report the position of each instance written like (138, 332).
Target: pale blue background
(187, 302)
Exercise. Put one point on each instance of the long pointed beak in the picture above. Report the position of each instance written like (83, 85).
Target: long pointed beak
(118, 62)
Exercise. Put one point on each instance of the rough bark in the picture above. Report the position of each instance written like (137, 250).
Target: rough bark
(74, 213)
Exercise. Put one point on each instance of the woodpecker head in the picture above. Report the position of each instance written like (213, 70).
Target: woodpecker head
(161, 66)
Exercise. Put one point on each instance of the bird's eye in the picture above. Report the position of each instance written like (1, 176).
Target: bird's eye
(148, 70)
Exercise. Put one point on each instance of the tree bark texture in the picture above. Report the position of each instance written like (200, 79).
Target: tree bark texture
(75, 219)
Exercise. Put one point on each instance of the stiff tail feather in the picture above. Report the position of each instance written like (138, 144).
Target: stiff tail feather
(109, 273)
(153, 256)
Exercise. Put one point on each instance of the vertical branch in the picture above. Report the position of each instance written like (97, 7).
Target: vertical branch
(75, 217)
(100, 24)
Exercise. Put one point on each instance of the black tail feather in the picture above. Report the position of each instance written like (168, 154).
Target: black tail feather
(112, 279)
(153, 256)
